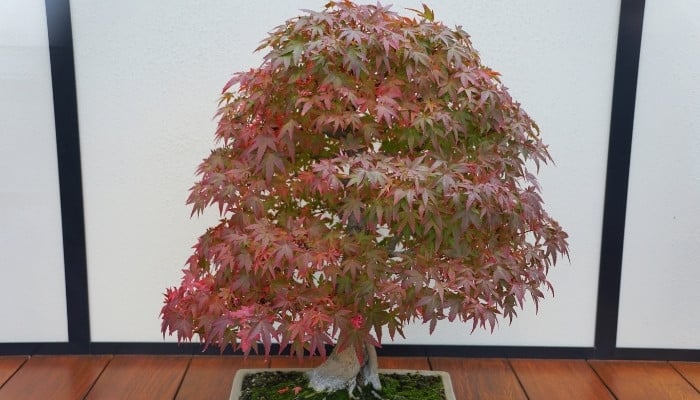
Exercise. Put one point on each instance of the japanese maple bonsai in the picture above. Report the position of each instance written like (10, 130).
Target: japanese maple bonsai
(371, 172)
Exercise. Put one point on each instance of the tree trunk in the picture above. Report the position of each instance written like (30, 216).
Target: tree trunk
(342, 370)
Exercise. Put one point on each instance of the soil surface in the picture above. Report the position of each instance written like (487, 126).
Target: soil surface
(277, 385)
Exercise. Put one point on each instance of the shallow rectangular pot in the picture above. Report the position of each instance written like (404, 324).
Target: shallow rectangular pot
(242, 373)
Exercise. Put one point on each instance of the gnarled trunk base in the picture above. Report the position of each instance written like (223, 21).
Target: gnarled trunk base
(342, 370)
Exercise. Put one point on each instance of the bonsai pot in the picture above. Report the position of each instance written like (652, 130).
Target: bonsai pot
(241, 375)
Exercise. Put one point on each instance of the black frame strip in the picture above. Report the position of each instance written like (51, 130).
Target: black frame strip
(154, 348)
(386, 350)
(629, 39)
(65, 105)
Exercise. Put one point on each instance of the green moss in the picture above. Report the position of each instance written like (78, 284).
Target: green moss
(276, 385)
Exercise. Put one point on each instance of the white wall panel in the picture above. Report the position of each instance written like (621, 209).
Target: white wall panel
(33, 286)
(148, 76)
(561, 70)
(661, 274)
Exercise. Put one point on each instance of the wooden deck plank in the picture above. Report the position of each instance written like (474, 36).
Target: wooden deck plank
(156, 377)
(210, 377)
(9, 365)
(559, 379)
(54, 377)
(691, 372)
(294, 362)
(483, 379)
(412, 363)
(140, 377)
(644, 380)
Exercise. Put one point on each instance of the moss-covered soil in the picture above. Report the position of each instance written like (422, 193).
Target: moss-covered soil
(277, 385)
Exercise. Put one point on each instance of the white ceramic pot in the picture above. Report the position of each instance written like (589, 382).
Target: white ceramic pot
(242, 373)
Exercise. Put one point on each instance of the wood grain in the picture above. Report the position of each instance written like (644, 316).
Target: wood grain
(210, 377)
(559, 379)
(9, 365)
(484, 379)
(294, 362)
(690, 371)
(632, 380)
(412, 363)
(54, 377)
(140, 377)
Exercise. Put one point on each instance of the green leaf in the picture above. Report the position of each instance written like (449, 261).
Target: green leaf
(427, 13)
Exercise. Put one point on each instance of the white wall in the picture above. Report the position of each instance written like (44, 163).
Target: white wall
(659, 306)
(561, 70)
(33, 287)
(148, 77)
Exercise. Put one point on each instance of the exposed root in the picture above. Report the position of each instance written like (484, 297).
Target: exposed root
(342, 370)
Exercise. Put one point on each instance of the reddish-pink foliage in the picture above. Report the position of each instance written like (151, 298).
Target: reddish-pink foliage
(369, 173)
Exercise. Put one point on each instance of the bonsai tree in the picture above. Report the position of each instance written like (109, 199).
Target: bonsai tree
(370, 173)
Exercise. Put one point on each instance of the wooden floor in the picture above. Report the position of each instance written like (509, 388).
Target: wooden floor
(209, 377)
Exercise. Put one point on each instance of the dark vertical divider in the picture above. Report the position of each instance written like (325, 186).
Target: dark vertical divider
(619, 149)
(68, 148)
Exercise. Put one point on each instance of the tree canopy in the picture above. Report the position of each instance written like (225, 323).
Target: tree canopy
(371, 172)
